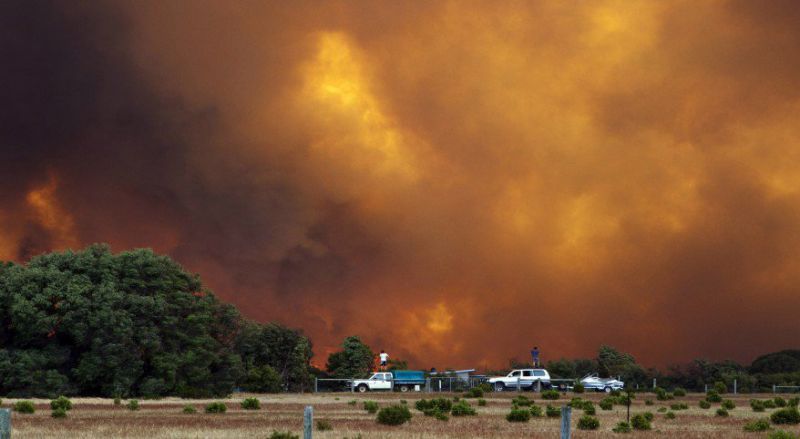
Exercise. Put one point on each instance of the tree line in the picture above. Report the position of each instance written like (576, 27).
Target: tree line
(137, 324)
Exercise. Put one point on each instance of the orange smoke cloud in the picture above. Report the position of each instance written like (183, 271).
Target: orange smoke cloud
(455, 182)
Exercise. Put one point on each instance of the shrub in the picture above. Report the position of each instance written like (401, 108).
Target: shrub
(640, 422)
(475, 392)
(713, 396)
(720, 387)
(324, 425)
(352, 402)
(757, 405)
(283, 435)
(780, 434)
(587, 422)
(679, 391)
(442, 404)
(24, 407)
(722, 412)
(786, 416)
(536, 411)
(606, 404)
(648, 402)
(779, 402)
(757, 425)
(62, 402)
(486, 387)
(394, 415)
(59, 413)
(661, 409)
(679, 406)
(133, 405)
(370, 406)
(117, 400)
(482, 402)
(728, 404)
(251, 404)
(704, 404)
(550, 394)
(440, 416)
(577, 403)
(662, 394)
(462, 408)
(793, 402)
(189, 409)
(669, 415)
(770, 404)
(521, 401)
(588, 409)
(649, 416)
(578, 388)
(615, 392)
(518, 415)
(552, 412)
(216, 407)
(622, 427)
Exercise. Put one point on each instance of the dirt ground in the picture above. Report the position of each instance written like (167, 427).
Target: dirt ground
(100, 418)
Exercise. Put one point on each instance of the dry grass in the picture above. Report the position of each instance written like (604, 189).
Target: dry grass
(100, 418)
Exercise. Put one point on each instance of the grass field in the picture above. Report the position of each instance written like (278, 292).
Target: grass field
(100, 418)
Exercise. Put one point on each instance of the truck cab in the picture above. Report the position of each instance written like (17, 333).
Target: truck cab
(524, 378)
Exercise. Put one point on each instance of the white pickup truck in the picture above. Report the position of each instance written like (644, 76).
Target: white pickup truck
(594, 382)
(402, 380)
(524, 378)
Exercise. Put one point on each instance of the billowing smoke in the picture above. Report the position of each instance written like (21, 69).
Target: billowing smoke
(453, 181)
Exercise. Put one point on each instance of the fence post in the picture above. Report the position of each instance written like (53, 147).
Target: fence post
(566, 415)
(654, 383)
(427, 385)
(734, 387)
(518, 387)
(316, 385)
(706, 388)
(5, 424)
(539, 386)
(308, 422)
(774, 390)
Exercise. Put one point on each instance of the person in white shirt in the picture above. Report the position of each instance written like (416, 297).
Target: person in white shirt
(384, 359)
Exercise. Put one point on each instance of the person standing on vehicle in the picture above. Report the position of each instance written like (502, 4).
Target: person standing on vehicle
(535, 356)
(384, 359)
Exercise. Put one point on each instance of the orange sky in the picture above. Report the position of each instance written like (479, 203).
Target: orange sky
(453, 181)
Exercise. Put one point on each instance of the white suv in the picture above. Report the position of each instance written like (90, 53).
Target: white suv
(524, 378)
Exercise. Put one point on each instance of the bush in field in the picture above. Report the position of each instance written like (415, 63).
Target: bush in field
(394, 415)
(324, 425)
(770, 404)
(552, 412)
(216, 407)
(59, 413)
(640, 422)
(757, 405)
(26, 407)
(786, 416)
(577, 403)
(728, 404)
(606, 404)
(622, 427)
(370, 406)
(722, 412)
(704, 404)
(462, 408)
(662, 394)
(720, 387)
(669, 415)
(283, 435)
(757, 425)
(536, 411)
(661, 409)
(62, 402)
(475, 392)
(588, 409)
(251, 404)
(133, 405)
(550, 394)
(442, 404)
(521, 401)
(648, 402)
(486, 387)
(482, 402)
(587, 422)
(713, 396)
(518, 415)
(679, 391)
(117, 400)
(578, 388)
(779, 402)
(352, 402)
(679, 406)
(793, 402)
(189, 409)
(649, 416)
(780, 434)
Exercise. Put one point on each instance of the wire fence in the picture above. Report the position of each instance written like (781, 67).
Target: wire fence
(435, 384)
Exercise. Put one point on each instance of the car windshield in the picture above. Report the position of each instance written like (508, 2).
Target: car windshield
(377, 376)
(538, 373)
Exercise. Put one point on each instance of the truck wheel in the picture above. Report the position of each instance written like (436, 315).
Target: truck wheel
(363, 388)
(607, 390)
(404, 388)
(499, 386)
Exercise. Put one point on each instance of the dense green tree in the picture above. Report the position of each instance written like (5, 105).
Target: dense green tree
(286, 351)
(355, 360)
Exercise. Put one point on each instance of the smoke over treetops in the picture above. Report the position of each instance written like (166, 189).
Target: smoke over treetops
(453, 181)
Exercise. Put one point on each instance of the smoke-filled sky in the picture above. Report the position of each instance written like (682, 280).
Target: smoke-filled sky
(454, 181)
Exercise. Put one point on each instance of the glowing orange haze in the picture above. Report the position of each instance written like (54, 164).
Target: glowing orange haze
(459, 181)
